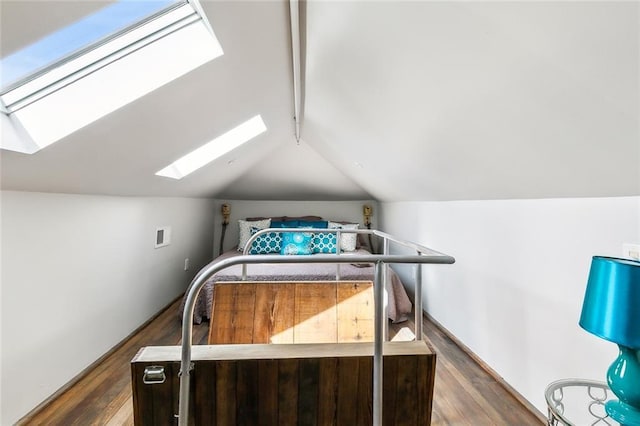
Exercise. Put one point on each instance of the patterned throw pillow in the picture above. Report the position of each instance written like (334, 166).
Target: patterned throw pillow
(323, 242)
(266, 243)
(245, 230)
(347, 241)
(296, 243)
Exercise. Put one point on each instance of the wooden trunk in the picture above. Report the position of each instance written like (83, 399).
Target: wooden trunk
(287, 384)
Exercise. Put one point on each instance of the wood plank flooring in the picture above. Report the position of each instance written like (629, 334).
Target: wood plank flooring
(465, 394)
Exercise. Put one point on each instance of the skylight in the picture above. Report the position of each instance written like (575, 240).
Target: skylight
(95, 66)
(214, 149)
(75, 37)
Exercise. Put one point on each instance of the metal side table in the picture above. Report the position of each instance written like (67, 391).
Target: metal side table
(578, 402)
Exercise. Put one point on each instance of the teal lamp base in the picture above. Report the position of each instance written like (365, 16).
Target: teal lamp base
(623, 413)
(623, 378)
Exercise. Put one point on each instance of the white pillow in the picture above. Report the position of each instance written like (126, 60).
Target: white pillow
(347, 240)
(245, 230)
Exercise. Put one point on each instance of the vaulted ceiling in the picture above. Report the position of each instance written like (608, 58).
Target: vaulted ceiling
(402, 101)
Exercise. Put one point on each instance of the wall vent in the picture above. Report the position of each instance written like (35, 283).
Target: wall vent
(163, 236)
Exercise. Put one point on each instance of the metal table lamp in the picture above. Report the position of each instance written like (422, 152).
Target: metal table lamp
(611, 310)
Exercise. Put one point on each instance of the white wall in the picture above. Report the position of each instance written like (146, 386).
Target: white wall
(515, 293)
(328, 210)
(79, 274)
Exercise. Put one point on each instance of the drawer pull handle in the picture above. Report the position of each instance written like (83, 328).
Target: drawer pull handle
(154, 375)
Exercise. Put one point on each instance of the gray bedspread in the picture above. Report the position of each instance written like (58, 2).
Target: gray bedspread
(399, 305)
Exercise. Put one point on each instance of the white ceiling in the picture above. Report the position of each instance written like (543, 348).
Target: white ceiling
(403, 101)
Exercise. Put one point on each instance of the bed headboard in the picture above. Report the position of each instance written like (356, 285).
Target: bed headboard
(360, 212)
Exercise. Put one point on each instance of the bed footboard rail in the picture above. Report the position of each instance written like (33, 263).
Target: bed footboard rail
(423, 255)
(387, 241)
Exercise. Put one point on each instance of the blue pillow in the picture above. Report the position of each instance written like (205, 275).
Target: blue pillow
(284, 224)
(321, 224)
(324, 242)
(266, 243)
(296, 243)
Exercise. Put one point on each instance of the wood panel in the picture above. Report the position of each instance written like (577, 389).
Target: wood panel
(406, 383)
(244, 308)
(327, 389)
(310, 312)
(268, 401)
(274, 313)
(315, 313)
(225, 390)
(389, 374)
(324, 390)
(355, 312)
(222, 314)
(207, 391)
(347, 387)
(233, 312)
(309, 388)
(364, 403)
(287, 392)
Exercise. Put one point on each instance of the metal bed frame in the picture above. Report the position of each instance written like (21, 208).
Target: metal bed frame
(424, 255)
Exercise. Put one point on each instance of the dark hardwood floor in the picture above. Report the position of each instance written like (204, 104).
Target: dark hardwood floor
(465, 394)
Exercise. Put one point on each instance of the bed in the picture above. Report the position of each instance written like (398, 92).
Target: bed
(398, 302)
(299, 383)
(271, 235)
